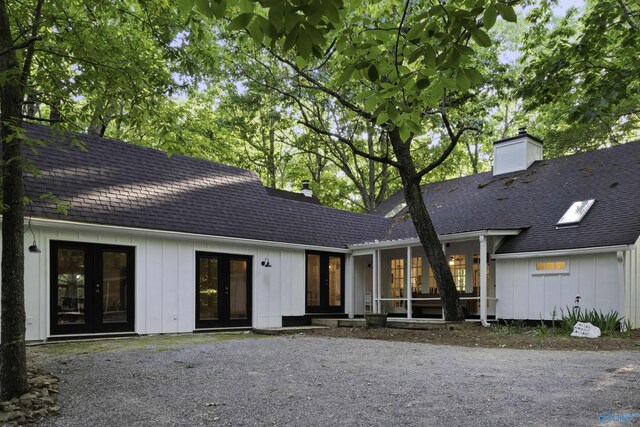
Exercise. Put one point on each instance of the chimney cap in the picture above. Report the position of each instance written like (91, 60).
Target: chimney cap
(522, 132)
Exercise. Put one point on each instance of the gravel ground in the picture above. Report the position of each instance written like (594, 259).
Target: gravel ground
(315, 381)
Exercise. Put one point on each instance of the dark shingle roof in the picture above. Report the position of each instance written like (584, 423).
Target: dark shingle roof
(535, 199)
(115, 183)
(290, 195)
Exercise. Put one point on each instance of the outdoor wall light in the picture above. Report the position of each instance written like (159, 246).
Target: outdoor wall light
(266, 263)
(34, 249)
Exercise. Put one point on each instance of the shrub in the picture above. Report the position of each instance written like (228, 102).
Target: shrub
(608, 323)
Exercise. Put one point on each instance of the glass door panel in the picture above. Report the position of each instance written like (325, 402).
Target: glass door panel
(313, 280)
(71, 281)
(114, 287)
(208, 288)
(335, 281)
(324, 282)
(92, 288)
(238, 289)
(223, 290)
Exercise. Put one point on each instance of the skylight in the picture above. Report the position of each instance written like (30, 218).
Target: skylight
(394, 211)
(576, 212)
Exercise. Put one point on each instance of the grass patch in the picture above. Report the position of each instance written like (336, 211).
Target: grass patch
(160, 342)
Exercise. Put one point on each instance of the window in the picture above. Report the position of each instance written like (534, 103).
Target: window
(416, 275)
(576, 212)
(557, 265)
(476, 273)
(433, 286)
(397, 280)
(459, 271)
(396, 210)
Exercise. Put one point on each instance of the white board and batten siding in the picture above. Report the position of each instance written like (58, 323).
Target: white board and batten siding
(526, 293)
(165, 282)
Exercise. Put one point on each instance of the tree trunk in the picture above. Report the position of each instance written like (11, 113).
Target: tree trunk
(13, 369)
(451, 305)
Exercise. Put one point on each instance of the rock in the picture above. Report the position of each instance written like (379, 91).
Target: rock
(10, 416)
(28, 396)
(10, 408)
(55, 408)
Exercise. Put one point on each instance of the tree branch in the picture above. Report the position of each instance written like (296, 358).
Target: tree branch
(28, 58)
(627, 15)
(453, 141)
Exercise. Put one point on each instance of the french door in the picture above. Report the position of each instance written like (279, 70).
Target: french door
(223, 290)
(325, 282)
(92, 288)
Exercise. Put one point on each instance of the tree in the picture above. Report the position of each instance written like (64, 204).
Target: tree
(13, 368)
(20, 33)
(403, 68)
(581, 76)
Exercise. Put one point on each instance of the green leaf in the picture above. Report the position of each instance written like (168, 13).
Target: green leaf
(474, 75)
(382, 118)
(291, 39)
(372, 73)
(331, 12)
(304, 44)
(219, 8)
(507, 12)
(301, 62)
(185, 6)
(267, 27)
(405, 133)
(450, 83)
(490, 16)
(422, 83)
(240, 22)
(276, 16)
(462, 81)
(256, 32)
(434, 94)
(202, 6)
(345, 76)
(480, 37)
(371, 103)
(429, 56)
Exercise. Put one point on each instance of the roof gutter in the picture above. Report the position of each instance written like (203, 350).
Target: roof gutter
(564, 252)
(162, 234)
(454, 237)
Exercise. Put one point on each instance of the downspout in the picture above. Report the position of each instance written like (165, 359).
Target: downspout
(622, 290)
(483, 281)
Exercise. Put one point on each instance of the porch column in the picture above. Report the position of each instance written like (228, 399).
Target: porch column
(483, 279)
(444, 250)
(351, 283)
(376, 280)
(408, 292)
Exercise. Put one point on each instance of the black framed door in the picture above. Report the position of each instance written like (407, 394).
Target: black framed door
(92, 288)
(324, 282)
(223, 290)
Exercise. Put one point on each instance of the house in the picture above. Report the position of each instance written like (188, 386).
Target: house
(158, 244)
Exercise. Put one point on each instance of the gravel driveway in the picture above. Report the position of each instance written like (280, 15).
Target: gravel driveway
(312, 381)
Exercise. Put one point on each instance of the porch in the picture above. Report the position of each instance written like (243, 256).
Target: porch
(395, 277)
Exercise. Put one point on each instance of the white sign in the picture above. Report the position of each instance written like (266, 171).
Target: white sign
(585, 330)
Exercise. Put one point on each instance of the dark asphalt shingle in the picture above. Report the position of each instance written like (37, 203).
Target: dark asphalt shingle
(536, 199)
(115, 183)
